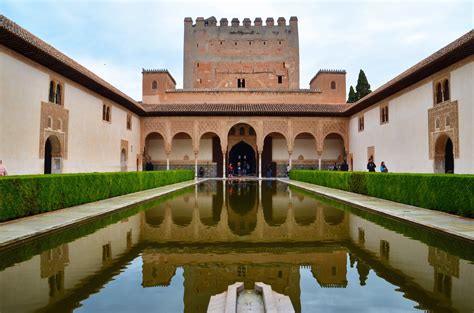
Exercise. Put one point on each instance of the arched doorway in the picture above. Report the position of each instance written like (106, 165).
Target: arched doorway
(242, 155)
(210, 155)
(275, 154)
(444, 155)
(123, 160)
(242, 141)
(52, 155)
(333, 151)
(154, 154)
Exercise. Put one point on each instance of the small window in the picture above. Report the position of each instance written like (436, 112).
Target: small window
(279, 42)
(250, 43)
(197, 45)
(197, 64)
(106, 112)
(437, 123)
(264, 43)
(221, 43)
(51, 91)
(242, 131)
(154, 85)
(446, 90)
(58, 94)
(235, 43)
(361, 123)
(361, 236)
(129, 122)
(384, 114)
(50, 122)
(106, 253)
(243, 82)
(107, 115)
(284, 64)
(439, 93)
(280, 79)
(333, 85)
(448, 121)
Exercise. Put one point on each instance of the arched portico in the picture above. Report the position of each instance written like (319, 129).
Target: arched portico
(305, 154)
(333, 150)
(242, 149)
(275, 155)
(210, 155)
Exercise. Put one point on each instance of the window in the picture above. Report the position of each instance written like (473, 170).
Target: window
(50, 122)
(279, 42)
(129, 122)
(250, 43)
(154, 85)
(284, 64)
(221, 43)
(55, 92)
(361, 123)
(242, 131)
(242, 271)
(280, 79)
(197, 64)
(241, 83)
(235, 43)
(60, 124)
(361, 237)
(448, 121)
(446, 90)
(437, 123)
(264, 43)
(333, 85)
(439, 93)
(197, 45)
(384, 249)
(384, 114)
(106, 112)
(51, 91)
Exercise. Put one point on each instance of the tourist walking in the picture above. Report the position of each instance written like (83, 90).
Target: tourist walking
(3, 169)
(383, 167)
(371, 165)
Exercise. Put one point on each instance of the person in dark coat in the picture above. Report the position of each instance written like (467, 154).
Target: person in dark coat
(344, 166)
(371, 165)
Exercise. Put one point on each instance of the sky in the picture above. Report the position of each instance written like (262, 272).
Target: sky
(116, 39)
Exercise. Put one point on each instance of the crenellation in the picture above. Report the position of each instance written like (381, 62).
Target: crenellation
(281, 21)
(235, 22)
(224, 22)
(270, 22)
(247, 22)
(258, 21)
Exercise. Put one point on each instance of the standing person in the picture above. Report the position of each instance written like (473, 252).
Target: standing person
(334, 167)
(3, 169)
(230, 171)
(383, 167)
(288, 169)
(371, 165)
(239, 169)
(344, 166)
(244, 168)
(269, 170)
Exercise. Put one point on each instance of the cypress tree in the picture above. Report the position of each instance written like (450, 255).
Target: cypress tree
(363, 86)
(352, 95)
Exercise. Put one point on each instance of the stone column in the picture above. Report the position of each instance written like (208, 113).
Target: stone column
(223, 165)
(167, 161)
(320, 154)
(289, 157)
(196, 164)
(260, 164)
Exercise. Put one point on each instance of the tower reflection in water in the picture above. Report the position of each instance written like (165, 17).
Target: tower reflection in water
(219, 233)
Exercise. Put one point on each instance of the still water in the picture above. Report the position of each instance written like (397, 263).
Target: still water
(173, 253)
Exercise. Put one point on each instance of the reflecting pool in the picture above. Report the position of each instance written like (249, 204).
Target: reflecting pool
(173, 253)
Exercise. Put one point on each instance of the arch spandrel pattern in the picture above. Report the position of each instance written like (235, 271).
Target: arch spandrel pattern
(330, 126)
(276, 126)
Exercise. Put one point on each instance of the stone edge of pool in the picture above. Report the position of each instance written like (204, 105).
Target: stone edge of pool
(19, 230)
(453, 225)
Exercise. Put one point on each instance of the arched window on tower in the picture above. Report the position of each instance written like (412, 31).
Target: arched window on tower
(242, 131)
(51, 91)
(333, 85)
(154, 85)
(439, 93)
(446, 90)
(58, 94)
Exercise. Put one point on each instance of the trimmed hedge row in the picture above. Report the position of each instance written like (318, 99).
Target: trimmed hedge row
(448, 193)
(32, 194)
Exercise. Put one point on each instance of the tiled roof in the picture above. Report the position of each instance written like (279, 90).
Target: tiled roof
(455, 51)
(248, 109)
(25, 43)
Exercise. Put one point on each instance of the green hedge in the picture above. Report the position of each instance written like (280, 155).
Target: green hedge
(32, 194)
(448, 193)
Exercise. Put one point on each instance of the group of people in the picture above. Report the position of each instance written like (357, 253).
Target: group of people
(342, 167)
(371, 166)
(241, 169)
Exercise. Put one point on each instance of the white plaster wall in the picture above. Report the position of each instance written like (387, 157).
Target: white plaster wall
(205, 149)
(402, 143)
(279, 149)
(94, 145)
(462, 90)
(306, 148)
(332, 149)
(181, 148)
(156, 149)
(22, 88)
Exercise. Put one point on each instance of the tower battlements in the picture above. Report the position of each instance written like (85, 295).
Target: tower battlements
(201, 22)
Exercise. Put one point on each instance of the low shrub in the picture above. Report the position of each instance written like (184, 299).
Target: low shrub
(448, 193)
(32, 194)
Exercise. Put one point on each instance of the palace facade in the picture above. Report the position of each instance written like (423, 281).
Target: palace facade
(241, 102)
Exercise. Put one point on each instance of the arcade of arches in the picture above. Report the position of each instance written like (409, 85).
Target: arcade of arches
(260, 147)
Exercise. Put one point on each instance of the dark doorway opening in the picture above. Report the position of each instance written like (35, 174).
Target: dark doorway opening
(449, 157)
(243, 153)
(48, 156)
(217, 155)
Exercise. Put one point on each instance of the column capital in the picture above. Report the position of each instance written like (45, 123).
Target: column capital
(320, 153)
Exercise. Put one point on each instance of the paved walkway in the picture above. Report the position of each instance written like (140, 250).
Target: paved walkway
(12, 232)
(448, 223)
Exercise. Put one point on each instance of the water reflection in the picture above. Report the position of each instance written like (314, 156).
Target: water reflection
(218, 234)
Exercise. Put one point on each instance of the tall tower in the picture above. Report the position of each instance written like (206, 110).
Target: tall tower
(241, 55)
